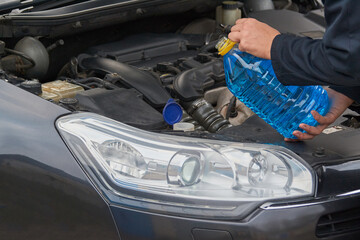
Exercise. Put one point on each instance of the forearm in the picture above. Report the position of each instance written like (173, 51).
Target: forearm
(339, 101)
(351, 92)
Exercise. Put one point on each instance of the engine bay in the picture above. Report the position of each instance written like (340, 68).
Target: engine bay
(128, 72)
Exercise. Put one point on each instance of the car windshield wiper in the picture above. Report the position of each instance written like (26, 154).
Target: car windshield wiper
(8, 5)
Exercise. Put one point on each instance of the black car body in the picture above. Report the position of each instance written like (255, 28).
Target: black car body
(129, 58)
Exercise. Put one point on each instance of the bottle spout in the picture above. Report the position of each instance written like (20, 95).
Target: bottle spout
(224, 45)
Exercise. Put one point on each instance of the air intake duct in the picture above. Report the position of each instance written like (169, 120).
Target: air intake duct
(128, 76)
(204, 113)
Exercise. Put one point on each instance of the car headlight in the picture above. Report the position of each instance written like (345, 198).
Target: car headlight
(180, 175)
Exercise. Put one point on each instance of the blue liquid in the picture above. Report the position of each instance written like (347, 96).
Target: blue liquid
(253, 81)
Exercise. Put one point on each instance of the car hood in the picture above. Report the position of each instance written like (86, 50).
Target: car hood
(79, 16)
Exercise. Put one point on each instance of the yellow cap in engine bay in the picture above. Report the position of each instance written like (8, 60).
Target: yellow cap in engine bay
(224, 45)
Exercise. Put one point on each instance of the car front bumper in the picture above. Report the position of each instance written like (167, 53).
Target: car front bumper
(281, 221)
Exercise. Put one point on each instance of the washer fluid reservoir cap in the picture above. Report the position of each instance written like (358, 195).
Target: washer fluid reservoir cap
(172, 112)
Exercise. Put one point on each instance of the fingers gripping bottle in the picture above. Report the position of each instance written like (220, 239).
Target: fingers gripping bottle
(253, 81)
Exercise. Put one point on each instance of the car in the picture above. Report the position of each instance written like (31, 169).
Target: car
(91, 147)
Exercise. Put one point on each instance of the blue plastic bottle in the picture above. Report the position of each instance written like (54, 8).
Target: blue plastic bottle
(253, 81)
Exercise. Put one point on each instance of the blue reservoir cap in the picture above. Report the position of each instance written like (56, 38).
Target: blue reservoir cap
(172, 112)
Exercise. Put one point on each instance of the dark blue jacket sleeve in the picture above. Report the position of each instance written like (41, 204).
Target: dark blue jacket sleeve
(333, 61)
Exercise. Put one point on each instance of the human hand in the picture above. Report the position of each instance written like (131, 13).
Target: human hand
(339, 103)
(254, 37)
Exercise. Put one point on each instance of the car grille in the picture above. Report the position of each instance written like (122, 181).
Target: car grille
(338, 223)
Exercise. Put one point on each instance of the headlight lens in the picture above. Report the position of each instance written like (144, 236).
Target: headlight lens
(182, 175)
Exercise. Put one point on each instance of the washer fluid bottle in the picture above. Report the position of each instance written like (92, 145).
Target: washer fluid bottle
(253, 81)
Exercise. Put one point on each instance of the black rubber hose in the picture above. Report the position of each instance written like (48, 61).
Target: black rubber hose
(207, 116)
(23, 55)
(209, 48)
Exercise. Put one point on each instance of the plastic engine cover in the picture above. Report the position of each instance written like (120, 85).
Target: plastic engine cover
(124, 105)
(140, 47)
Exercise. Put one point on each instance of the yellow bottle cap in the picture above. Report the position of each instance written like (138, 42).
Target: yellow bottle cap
(224, 46)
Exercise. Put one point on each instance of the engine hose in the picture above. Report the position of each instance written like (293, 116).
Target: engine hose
(70, 69)
(187, 118)
(207, 116)
(22, 55)
(209, 47)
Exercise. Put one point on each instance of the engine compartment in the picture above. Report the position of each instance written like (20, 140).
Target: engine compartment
(146, 70)
(128, 72)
